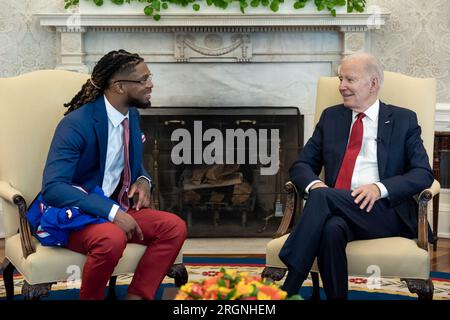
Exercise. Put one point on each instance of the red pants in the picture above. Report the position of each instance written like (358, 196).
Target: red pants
(164, 234)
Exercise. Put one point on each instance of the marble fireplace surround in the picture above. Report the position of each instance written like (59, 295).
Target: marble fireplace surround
(218, 59)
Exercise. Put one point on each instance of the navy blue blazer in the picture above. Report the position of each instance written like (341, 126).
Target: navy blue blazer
(403, 163)
(77, 156)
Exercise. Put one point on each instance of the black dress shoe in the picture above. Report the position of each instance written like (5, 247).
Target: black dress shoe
(293, 282)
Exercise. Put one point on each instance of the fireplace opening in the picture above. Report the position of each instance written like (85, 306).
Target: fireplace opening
(222, 169)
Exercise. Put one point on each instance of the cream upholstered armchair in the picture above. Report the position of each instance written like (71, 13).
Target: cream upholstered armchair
(397, 257)
(31, 106)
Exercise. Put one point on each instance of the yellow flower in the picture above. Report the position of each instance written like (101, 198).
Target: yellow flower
(271, 292)
(181, 296)
(187, 287)
(231, 272)
(224, 290)
(243, 289)
(213, 287)
(263, 296)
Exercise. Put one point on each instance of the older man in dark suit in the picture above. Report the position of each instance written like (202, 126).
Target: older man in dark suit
(374, 162)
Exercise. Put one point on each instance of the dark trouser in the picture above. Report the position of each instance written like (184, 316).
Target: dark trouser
(329, 221)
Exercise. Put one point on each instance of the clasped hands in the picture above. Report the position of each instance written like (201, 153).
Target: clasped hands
(365, 196)
(140, 190)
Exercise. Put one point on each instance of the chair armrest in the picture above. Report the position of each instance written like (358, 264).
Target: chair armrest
(431, 191)
(289, 210)
(424, 197)
(8, 193)
(14, 196)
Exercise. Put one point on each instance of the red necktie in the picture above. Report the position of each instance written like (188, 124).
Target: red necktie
(126, 173)
(344, 179)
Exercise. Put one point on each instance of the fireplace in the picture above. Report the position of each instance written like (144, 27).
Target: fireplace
(222, 169)
(211, 60)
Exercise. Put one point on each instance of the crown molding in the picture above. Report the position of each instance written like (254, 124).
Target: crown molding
(225, 22)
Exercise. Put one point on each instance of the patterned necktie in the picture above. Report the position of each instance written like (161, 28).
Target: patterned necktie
(126, 173)
(344, 179)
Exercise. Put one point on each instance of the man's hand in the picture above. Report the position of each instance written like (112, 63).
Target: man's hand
(366, 196)
(141, 188)
(127, 223)
(318, 185)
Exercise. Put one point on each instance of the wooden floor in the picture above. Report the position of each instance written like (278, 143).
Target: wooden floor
(440, 259)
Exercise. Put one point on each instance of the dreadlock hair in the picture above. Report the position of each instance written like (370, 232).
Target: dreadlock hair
(106, 67)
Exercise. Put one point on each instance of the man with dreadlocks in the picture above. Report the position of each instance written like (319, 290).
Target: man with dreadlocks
(99, 144)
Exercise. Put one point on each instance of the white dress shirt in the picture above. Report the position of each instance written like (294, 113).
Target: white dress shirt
(114, 154)
(366, 165)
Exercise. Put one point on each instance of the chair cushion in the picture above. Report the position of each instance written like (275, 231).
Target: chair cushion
(396, 257)
(51, 264)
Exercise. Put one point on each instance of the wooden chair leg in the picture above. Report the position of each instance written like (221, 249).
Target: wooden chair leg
(423, 288)
(36, 291)
(179, 273)
(112, 288)
(316, 286)
(435, 221)
(276, 274)
(8, 279)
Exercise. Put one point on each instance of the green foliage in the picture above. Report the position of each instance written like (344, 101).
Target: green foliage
(153, 7)
(148, 10)
(70, 3)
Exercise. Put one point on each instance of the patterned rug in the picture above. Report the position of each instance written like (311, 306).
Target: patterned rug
(202, 267)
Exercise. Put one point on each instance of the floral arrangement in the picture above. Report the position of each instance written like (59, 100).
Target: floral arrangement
(233, 285)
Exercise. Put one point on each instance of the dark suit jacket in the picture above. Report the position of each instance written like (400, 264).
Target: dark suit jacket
(403, 164)
(77, 156)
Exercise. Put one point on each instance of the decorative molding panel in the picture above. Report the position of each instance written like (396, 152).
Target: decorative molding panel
(213, 46)
(442, 117)
(444, 214)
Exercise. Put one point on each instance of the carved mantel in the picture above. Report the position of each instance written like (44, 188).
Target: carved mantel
(187, 27)
(280, 55)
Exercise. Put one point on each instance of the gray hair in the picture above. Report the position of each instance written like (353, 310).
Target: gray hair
(373, 65)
